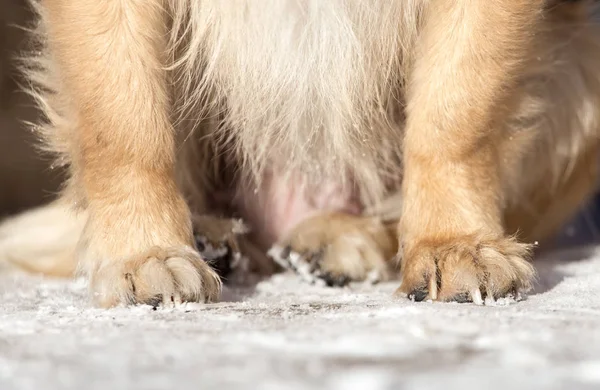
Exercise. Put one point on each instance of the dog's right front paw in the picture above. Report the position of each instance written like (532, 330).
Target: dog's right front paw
(335, 249)
(160, 276)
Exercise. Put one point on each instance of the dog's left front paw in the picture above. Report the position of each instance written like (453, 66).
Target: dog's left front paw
(466, 269)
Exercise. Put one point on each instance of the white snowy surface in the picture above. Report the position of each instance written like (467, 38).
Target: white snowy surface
(285, 334)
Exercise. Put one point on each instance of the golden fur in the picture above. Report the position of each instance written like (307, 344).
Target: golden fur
(467, 121)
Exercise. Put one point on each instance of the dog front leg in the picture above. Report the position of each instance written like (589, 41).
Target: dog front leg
(137, 245)
(453, 242)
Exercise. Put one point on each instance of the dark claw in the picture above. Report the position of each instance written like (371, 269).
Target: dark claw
(285, 253)
(511, 291)
(483, 292)
(462, 298)
(155, 301)
(418, 295)
(335, 280)
(129, 278)
(200, 245)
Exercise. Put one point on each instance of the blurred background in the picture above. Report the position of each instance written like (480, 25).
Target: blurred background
(25, 177)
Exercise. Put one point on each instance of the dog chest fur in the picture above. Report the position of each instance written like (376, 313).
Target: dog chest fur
(302, 83)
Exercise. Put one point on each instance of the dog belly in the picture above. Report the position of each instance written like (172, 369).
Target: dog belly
(311, 90)
(280, 203)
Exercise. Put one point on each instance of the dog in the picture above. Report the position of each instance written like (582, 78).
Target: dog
(435, 140)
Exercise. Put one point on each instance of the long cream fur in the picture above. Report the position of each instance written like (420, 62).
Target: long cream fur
(301, 83)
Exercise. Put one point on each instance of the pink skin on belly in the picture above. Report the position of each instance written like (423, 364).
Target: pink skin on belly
(281, 204)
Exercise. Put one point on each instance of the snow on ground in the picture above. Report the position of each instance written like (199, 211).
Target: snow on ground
(285, 334)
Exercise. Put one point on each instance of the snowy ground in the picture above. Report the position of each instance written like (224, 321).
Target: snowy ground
(286, 335)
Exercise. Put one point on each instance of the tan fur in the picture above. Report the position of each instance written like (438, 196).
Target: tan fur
(133, 205)
(345, 246)
(453, 185)
(462, 165)
(465, 119)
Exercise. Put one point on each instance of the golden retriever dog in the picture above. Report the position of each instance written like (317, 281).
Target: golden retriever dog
(350, 137)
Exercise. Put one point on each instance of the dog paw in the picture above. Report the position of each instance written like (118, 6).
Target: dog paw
(335, 249)
(219, 242)
(160, 276)
(466, 269)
